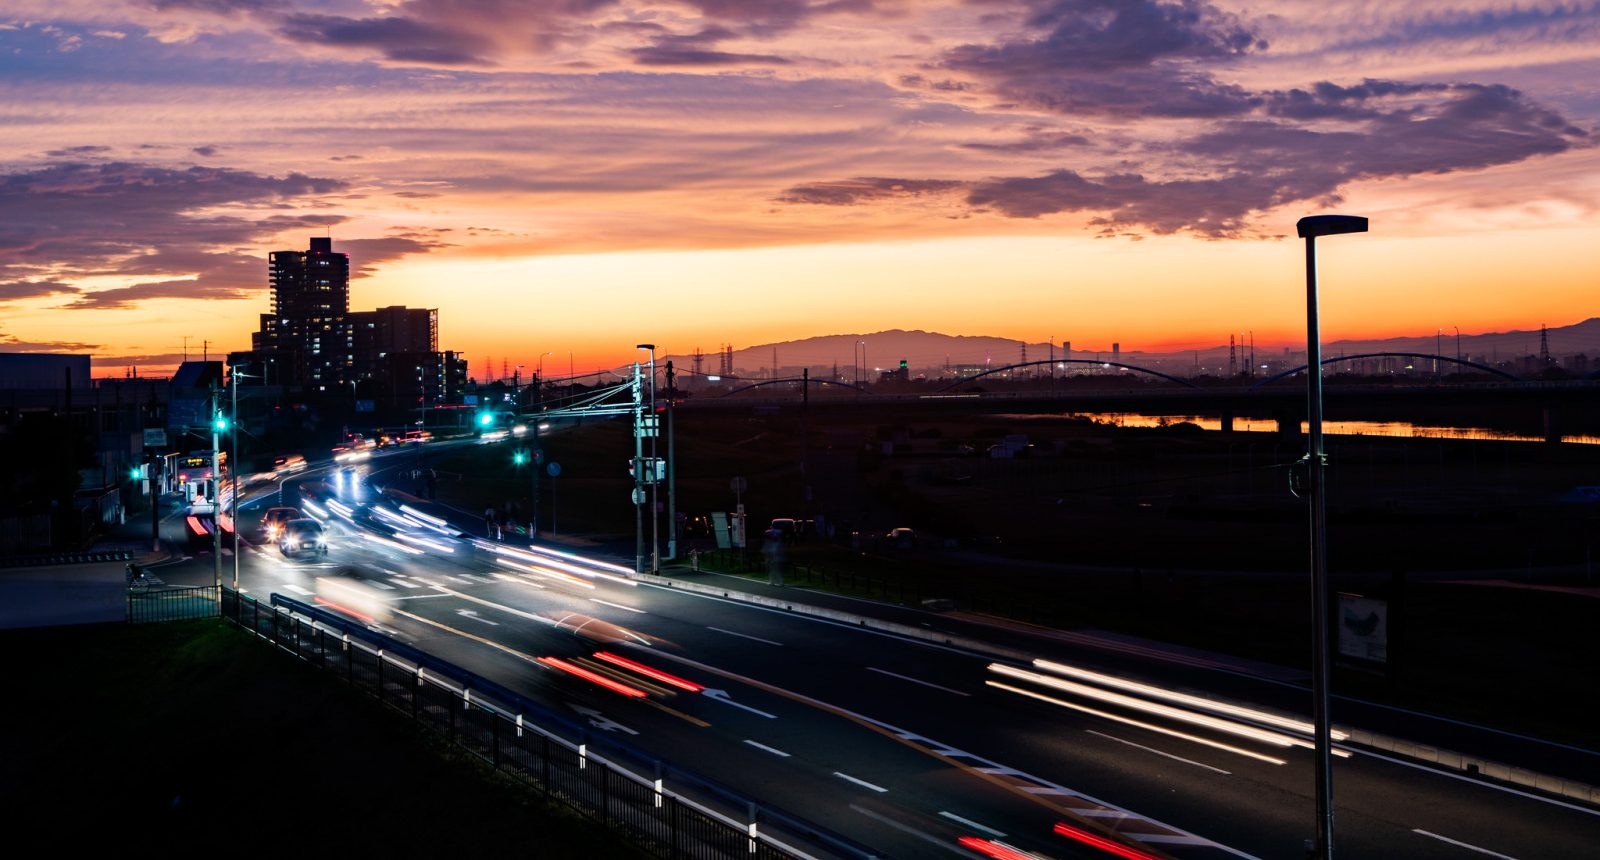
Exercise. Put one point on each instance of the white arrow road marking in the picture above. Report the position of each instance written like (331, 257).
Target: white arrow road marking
(469, 613)
(601, 721)
(722, 696)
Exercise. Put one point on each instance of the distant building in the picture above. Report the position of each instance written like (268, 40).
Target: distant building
(312, 341)
(310, 302)
(38, 371)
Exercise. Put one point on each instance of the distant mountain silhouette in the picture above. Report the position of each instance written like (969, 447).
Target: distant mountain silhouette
(927, 349)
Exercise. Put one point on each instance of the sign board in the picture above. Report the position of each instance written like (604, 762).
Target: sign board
(469, 400)
(553, 469)
(155, 438)
(719, 525)
(739, 485)
(638, 496)
(1363, 628)
(738, 527)
(647, 426)
(366, 406)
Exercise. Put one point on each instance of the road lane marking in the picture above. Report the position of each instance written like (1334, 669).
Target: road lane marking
(616, 605)
(679, 714)
(915, 680)
(861, 782)
(974, 825)
(1158, 752)
(473, 614)
(420, 596)
(297, 589)
(762, 746)
(1461, 844)
(722, 696)
(744, 636)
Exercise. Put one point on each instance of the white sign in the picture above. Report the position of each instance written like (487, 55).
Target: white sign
(1363, 628)
(155, 438)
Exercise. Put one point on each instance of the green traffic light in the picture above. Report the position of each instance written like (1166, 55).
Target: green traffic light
(221, 423)
(519, 457)
(486, 419)
(133, 474)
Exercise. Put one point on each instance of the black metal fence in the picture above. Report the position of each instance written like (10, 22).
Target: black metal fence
(172, 604)
(663, 822)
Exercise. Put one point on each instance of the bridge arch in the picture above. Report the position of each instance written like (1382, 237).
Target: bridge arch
(796, 379)
(1424, 355)
(1167, 376)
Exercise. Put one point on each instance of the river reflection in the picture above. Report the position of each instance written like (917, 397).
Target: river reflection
(1400, 429)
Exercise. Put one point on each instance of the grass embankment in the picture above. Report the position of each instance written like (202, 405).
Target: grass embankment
(192, 736)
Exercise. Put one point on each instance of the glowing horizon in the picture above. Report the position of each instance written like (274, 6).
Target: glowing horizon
(577, 178)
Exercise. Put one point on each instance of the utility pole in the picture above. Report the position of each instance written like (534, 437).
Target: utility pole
(638, 470)
(233, 472)
(216, 484)
(805, 474)
(672, 467)
(536, 459)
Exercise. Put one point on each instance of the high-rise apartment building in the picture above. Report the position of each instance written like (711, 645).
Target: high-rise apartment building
(313, 341)
(308, 326)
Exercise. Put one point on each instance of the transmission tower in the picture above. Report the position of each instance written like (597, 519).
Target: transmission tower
(1544, 345)
(1233, 358)
(699, 359)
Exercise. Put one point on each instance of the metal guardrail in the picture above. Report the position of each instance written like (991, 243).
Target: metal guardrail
(549, 752)
(146, 605)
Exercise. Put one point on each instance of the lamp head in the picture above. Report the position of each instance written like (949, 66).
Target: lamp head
(650, 346)
(1329, 225)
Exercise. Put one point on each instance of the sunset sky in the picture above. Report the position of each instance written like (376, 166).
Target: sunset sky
(578, 176)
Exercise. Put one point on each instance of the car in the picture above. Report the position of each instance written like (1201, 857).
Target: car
(902, 538)
(290, 464)
(302, 537)
(274, 519)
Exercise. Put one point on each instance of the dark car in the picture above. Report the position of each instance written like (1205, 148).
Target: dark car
(302, 537)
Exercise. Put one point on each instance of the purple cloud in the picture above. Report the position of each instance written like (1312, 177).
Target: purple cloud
(68, 220)
(863, 190)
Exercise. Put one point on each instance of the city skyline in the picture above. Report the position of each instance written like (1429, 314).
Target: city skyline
(576, 178)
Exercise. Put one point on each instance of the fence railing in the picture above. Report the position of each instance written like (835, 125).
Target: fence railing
(492, 723)
(172, 604)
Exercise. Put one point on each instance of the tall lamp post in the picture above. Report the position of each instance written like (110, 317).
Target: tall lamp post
(219, 423)
(655, 516)
(1309, 228)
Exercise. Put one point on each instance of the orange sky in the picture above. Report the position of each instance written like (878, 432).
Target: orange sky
(694, 173)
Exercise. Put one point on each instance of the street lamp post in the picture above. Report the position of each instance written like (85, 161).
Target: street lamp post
(655, 517)
(1309, 228)
(638, 471)
(217, 425)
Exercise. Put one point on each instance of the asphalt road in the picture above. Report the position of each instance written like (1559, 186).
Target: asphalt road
(899, 744)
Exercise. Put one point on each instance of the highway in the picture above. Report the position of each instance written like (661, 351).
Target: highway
(913, 748)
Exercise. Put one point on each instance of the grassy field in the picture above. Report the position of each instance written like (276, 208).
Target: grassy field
(192, 736)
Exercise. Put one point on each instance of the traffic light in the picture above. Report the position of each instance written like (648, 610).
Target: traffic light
(519, 457)
(135, 473)
(485, 419)
(220, 424)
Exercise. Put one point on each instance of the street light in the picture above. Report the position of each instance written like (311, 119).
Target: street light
(1309, 228)
(655, 518)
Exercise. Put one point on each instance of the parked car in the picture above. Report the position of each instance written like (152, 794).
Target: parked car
(302, 537)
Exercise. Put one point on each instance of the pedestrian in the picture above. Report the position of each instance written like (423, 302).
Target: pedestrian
(491, 528)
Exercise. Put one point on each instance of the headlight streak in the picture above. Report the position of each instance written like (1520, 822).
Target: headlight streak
(313, 509)
(1263, 735)
(430, 522)
(389, 543)
(1286, 723)
(545, 562)
(519, 580)
(1138, 723)
(420, 541)
(548, 574)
